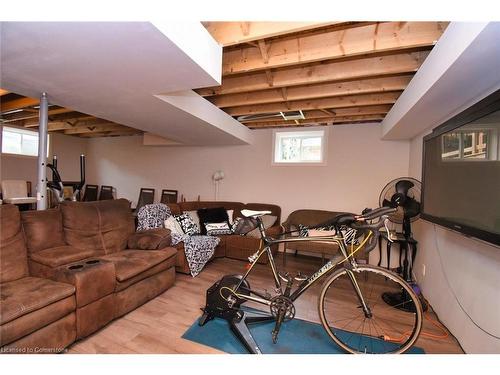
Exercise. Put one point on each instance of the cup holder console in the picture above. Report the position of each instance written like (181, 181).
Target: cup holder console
(78, 267)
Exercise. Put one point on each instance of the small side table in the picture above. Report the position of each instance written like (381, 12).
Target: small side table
(407, 247)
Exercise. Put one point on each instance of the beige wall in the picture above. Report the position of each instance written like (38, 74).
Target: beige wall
(68, 150)
(458, 271)
(358, 166)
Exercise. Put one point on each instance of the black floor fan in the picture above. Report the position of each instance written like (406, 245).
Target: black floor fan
(404, 194)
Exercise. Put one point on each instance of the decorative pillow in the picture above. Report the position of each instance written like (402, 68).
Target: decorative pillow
(152, 216)
(268, 221)
(321, 232)
(350, 235)
(195, 217)
(303, 231)
(212, 215)
(230, 216)
(215, 229)
(242, 225)
(187, 224)
(173, 225)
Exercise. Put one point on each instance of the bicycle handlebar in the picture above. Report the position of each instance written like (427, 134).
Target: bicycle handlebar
(360, 224)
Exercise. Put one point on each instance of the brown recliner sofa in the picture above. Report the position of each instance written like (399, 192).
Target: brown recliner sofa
(231, 246)
(93, 246)
(37, 315)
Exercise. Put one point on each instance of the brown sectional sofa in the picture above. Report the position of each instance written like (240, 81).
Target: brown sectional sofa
(75, 269)
(231, 246)
(36, 314)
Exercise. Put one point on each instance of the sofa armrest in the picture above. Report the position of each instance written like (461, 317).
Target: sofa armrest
(151, 239)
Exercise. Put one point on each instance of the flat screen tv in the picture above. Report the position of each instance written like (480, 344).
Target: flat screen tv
(461, 172)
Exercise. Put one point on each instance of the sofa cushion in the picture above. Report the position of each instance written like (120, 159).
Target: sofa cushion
(57, 256)
(129, 263)
(151, 239)
(102, 225)
(23, 296)
(43, 229)
(13, 253)
(36, 320)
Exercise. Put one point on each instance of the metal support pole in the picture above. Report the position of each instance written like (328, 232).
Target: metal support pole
(41, 186)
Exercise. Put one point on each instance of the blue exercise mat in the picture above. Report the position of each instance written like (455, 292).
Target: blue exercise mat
(296, 337)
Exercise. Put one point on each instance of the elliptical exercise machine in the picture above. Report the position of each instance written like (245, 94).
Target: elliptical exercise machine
(57, 184)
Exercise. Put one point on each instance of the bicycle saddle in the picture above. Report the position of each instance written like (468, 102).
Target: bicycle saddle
(254, 214)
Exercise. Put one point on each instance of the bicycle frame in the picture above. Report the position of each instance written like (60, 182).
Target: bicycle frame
(319, 274)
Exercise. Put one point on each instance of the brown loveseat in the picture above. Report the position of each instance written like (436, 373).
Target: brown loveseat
(91, 247)
(311, 218)
(231, 246)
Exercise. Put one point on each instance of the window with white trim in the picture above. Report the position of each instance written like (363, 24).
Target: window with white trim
(20, 141)
(299, 147)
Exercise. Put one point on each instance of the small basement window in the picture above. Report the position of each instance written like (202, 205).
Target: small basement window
(299, 147)
(20, 142)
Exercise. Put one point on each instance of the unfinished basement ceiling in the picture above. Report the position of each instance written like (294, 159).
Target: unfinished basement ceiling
(127, 78)
(23, 112)
(334, 73)
(118, 72)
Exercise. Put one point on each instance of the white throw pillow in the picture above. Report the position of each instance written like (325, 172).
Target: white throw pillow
(268, 221)
(173, 225)
(230, 216)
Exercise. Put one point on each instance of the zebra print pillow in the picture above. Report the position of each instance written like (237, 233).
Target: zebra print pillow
(348, 233)
(187, 224)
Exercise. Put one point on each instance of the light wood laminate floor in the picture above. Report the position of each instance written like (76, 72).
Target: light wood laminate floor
(157, 326)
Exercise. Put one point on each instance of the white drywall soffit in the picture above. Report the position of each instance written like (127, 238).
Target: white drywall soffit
(113, 70)
(462, 69)
(194, 104)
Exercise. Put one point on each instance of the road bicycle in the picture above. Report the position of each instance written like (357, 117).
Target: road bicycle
(352, 303)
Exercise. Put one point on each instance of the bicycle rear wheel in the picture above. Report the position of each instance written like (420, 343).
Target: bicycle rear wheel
(388, 330)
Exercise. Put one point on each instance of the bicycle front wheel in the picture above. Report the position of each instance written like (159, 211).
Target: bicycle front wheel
(370, 310)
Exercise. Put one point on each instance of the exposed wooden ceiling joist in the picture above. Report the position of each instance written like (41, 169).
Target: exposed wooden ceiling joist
(61, 119)
(18, 103)
(97, 128)
(23, 116)
(402, 63)
(327, 103)
(349, 42)
(325, 120)
(374, 85)
(231, 33)
(340, 112)
(72, 118)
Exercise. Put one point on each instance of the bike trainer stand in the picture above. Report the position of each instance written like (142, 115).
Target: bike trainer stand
(238, 321)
